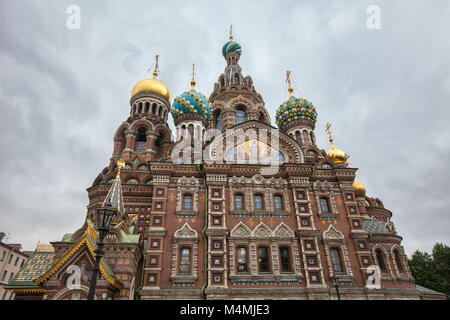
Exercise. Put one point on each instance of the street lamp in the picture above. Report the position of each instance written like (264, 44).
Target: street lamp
(337, 289)
(105, 216)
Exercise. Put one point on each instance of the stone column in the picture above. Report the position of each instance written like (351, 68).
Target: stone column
(130, 136)
(119, 143)
(150, 145)
(228, 118)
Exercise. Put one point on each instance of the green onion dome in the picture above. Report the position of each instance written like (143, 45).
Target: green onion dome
(231, 46)
(294, 109)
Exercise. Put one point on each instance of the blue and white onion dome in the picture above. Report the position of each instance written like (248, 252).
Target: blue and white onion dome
(294, 109)
(191, 101)
(231, 46)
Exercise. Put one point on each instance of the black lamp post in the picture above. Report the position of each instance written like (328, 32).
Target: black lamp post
(105, 216)
(337, 289)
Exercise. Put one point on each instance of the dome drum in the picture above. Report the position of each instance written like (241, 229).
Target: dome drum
(138, 96)
(298, 123)
(149, 105)
(189, 117)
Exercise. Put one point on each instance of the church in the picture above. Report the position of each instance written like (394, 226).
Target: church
(226, 207)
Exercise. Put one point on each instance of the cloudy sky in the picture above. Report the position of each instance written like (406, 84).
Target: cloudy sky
(64, 92)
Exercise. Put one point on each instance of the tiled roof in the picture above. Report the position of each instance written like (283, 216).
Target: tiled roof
(37, 264)
(426, 290)
(374, 226)
(114, 197)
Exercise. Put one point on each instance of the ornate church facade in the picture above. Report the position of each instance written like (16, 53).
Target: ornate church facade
(231, 207)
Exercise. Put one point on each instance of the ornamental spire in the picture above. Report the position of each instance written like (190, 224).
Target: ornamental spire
(155, 73)
(231, 32)
(328, 130)
(288, 80)
(193, 80)
(114, 197)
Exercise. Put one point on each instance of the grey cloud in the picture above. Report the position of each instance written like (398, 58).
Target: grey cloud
(63, 93)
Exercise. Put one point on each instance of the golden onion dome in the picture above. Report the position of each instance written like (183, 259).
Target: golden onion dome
(153, 86)
(360, 189)
(337, 155)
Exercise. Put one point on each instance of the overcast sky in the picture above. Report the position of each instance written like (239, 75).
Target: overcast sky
(64, 92)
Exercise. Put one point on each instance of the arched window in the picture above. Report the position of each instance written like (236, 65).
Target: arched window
(147, 106)
(142, 135)
(241, 257)
(141, 140)
(154, 108)
(324, 205)
(222, 82)
(380, 260)
(219, 121)
(263, 259)
(183, 132)
(305, 137)
(398, 261)
(285, 259)
(278, 202)
(236, 79)
(159, 138)
(336, 259)
(187, 202)
(240, 116)
(259, 202)
(262, 117)
(312, 137)
(298, 137)
(238, 202)
(140, 107)
(190, 131)
(185, 260)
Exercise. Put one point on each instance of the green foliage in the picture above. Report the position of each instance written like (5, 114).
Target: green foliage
(432, 271)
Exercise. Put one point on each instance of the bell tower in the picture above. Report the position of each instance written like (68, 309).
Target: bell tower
(145, 132)
(234, 99)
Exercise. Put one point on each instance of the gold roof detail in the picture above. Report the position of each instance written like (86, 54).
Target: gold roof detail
(152, 85)
(44, 247)
(360, 189)
(337, 155)
(193, 80)
(288, 80)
